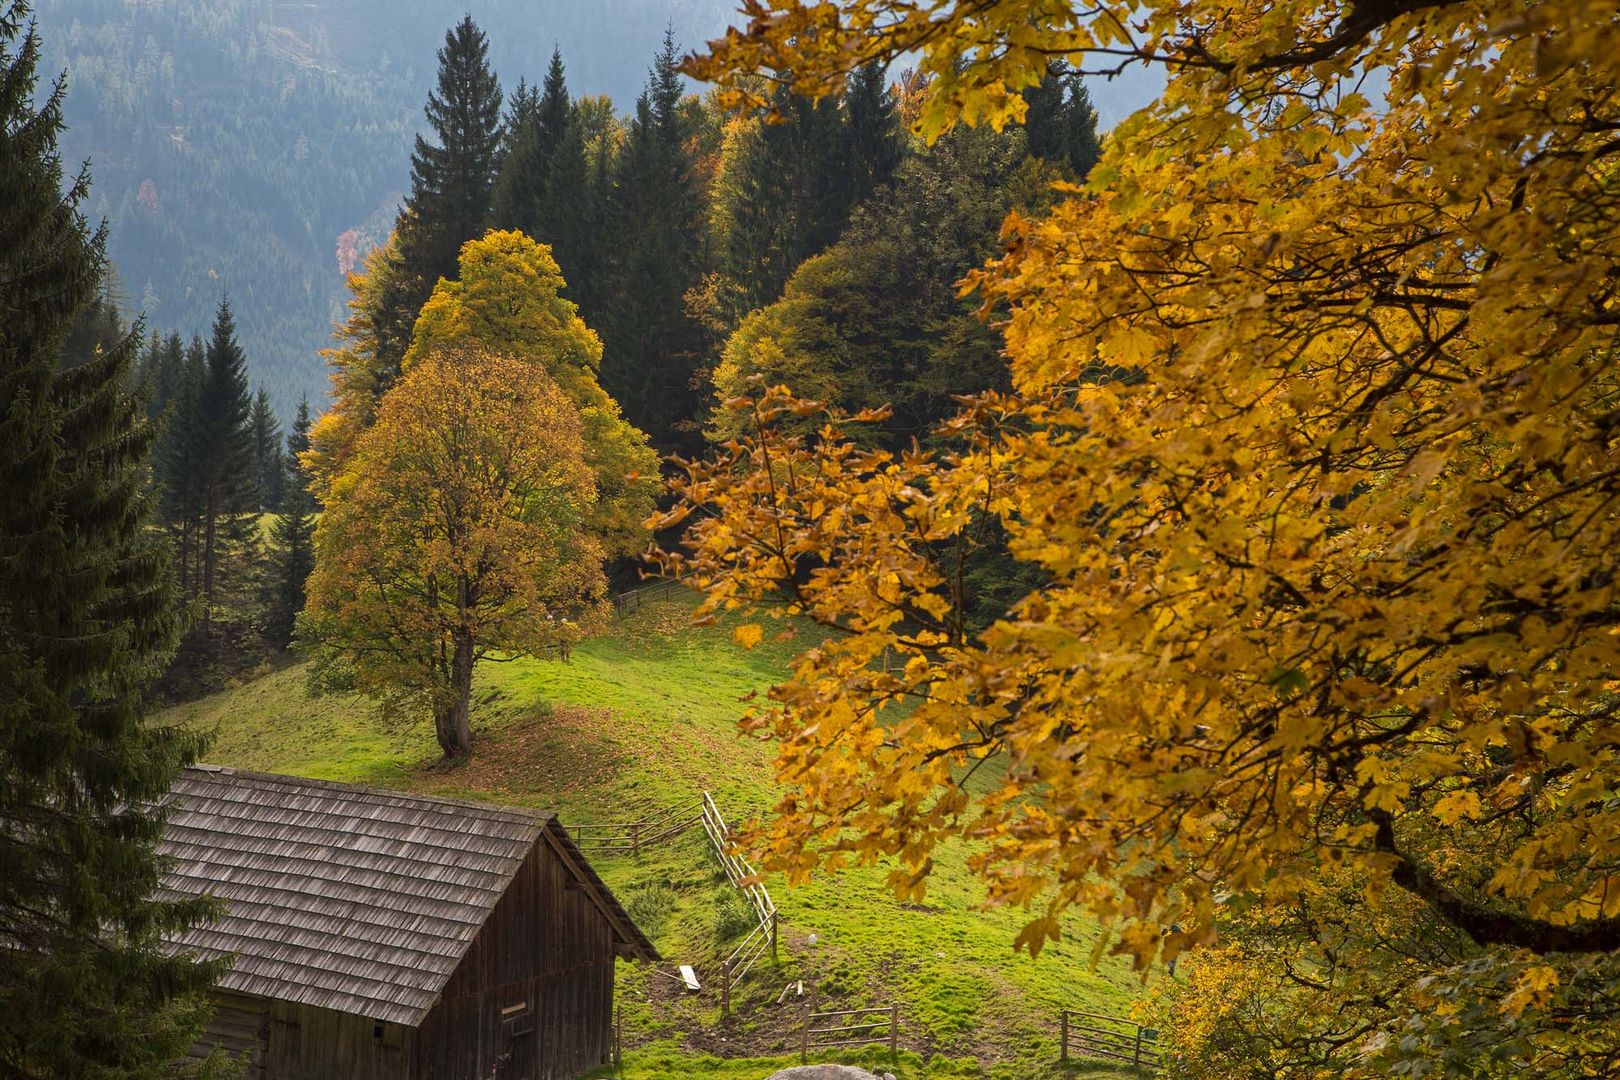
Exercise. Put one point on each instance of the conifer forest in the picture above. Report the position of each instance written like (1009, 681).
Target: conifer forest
(902, 538)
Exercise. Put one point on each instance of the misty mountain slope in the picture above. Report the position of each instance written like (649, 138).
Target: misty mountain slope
(235, 144)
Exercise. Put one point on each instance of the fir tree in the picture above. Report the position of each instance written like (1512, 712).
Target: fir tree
(267, 453)
(451, 183)
(792, 199)
(292, 538)
(872, 143)
(652, 348)
(1084, 147)
(178, 464)
(227, 471)
(87, 619)
(1060, 122)
(516, 194)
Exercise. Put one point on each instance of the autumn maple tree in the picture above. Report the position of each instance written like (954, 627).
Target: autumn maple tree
(457, 530)
(506, 299)
(1314, 431)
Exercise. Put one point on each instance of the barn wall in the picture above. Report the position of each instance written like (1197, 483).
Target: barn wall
(533, 997)
(240, 1026)
(307, 1043)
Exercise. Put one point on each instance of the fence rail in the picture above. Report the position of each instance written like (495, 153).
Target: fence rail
(632, 837)
(633, 599)
(849, 1028)
(745, 878)
(1115, 1038)
(738, 869)
(629, 837)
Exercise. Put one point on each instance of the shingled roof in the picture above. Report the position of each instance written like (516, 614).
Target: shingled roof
(351, 898)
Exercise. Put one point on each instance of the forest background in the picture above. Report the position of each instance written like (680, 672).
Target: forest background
(703, 247)
(259, 149)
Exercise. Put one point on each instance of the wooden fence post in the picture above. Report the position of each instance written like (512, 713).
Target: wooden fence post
(1136, 1056)
(1063, 1036)
(894, 1029)
(809, 1014)
(725, 988)
(773, 936)
(635, 839)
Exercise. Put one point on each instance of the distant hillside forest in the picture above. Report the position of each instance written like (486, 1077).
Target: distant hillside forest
(251, 147)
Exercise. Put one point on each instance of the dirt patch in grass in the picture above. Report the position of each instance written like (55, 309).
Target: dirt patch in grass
(543, 756)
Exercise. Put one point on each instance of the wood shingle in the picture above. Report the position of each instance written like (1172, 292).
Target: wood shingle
(348, 898)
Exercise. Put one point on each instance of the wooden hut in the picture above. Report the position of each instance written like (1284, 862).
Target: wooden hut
(380, 935)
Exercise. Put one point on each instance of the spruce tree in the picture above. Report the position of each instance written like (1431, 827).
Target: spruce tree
(267, 453)
(87, 619)
(554, 112)
(1060, 123)
(540, 190)
(168, 374)
(1084, 147)
(144, 378)
(872, 143)
(96, 327)
(451, 182)
(293, 536)
(565, 216)
(652, 348)
(1046, 118)
(516, 194)
(178, 465)
(227, 473)
(591, 285)
(794, 199)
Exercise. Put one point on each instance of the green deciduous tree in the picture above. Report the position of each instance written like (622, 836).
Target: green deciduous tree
(838, 334)
(87, 619)
(458, 529)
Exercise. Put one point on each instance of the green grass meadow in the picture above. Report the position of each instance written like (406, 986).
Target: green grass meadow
(644, 717)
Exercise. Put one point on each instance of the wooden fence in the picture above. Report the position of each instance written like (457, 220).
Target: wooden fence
(633, 599)
(745, 878)
(846, 1027)
(1098, 1035)
(632, 837)
(629, 837)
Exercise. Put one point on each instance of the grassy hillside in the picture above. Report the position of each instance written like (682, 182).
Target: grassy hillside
(643, 718)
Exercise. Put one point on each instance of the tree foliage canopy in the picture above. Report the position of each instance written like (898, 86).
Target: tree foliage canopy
(506, 299)
(460, 527)
(1314, 424)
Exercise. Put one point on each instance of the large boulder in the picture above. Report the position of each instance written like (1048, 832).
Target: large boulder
(825, 1072)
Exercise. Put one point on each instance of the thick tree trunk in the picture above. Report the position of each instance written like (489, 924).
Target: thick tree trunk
(452, 722)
